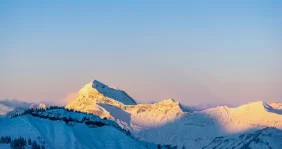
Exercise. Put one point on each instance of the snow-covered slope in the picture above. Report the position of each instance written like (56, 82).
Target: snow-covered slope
(199, 128)
(267, 138)
(63, 129)
(167, 123)
(97, 98)
(150, 115)
(16, 111)
(97, 92)
(100, 92)
(143, 116)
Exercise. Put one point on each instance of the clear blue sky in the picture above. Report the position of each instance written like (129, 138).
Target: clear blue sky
(215, 52)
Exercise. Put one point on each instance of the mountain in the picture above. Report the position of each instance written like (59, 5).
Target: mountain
(96, 92)
(121, 123)
(13, 107)
(5, 109)
(100, 92)
(99, 99)
(167, 122)
(144, 116)
(59, 128)
(268, 137)
(9, 105)
(199, 128)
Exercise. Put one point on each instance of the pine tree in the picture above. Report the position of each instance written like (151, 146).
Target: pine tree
(29, 141)
(42, 147)
(35, 145)
(18, 143)
(9, 139)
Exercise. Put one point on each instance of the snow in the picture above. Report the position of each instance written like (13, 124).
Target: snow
(16, 111)
(276, 105)
(75, 116)
(199, 128)
(167, 123)
(100, 91)
(96, 92)
(5, 109)
(5, 146)
(261, 139)
(42, 106)
(59, 134)
(253, 125)
(11, 107)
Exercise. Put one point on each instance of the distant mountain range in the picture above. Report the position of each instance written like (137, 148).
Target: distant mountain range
(11, 107)
(167, 123)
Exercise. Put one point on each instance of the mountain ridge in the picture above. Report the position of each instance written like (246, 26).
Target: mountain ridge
(166, 122)
(65, 129)
(155, 122)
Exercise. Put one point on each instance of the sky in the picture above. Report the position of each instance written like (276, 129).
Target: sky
(204, 52)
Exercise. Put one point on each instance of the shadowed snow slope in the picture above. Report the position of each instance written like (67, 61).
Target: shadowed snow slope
(50, 128)
(197, 129)
(267, 138)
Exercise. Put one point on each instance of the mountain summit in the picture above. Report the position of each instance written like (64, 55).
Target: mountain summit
(100, 92)
(95, 93)
(106, 102)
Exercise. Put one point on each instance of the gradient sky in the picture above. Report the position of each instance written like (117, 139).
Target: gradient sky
(204, 52)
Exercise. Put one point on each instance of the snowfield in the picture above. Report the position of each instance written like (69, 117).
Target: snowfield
(57, 133)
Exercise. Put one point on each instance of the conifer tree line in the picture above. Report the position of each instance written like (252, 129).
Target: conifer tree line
(20, 143)
(31, 110)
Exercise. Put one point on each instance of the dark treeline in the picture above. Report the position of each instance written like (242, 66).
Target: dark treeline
(86, 120)
(5, 140)
(36, 110)
(20, 143)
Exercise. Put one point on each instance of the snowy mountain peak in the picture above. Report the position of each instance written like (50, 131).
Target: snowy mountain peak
(96, 92)
(168, 101)
(258, 106)
(42, 106)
